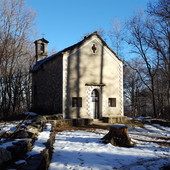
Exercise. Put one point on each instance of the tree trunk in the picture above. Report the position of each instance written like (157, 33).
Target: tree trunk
(118, 136)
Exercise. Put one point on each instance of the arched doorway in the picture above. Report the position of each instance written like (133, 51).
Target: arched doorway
(95, 104)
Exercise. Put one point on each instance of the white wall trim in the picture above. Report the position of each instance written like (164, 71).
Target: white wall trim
(64, 98)
(121, 89)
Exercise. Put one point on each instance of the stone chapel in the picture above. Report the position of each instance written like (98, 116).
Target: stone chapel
(84, 80)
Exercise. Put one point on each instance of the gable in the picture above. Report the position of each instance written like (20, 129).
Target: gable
(94, 47)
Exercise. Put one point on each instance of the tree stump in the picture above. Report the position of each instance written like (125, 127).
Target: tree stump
(118, 136)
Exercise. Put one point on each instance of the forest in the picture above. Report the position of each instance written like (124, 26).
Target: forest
(142, 42)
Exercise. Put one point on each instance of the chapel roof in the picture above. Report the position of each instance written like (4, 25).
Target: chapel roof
(38, 65)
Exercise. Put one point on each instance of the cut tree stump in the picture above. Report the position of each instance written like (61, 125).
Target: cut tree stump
(118, 136)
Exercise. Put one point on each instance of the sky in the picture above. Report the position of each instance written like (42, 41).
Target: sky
(65, 22)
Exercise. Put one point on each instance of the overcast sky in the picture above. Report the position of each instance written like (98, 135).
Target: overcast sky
(64, 22)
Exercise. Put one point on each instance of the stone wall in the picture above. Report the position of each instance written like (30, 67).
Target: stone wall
(47, 87)
(116, 119)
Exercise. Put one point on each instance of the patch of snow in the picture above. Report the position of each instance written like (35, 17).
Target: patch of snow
(20, 162)
(141, 117)
(162, 127)
(119, 125)
(7, 144)
(156, 130)
(10, 127)
(42, 138)
(143, 137)
(31, 113)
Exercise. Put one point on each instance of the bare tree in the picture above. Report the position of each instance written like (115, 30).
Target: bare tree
(16, 29)
(149, 37)
(159, 37)
(138, 34)
(135, 92)
(116, 35)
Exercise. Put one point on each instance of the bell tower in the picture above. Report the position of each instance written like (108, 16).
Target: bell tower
(41, 49)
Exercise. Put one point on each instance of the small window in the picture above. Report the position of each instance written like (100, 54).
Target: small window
(77, 102)
(112, 102)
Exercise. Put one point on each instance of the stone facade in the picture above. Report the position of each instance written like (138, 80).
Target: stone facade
(47, 87)
(82, 81)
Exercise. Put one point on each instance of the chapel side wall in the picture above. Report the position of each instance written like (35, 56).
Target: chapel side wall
(47, 87)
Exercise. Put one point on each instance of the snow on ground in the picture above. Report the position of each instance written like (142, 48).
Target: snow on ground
(39, 143)
(162, 127)
(81, 150)
(141, 118)
(151, 133)
(156, 130)
(8, 127)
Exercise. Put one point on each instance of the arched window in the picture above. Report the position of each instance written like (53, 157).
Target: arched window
(95, 95)
(42, 48)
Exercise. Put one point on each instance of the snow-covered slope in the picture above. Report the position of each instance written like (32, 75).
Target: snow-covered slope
(83, 150)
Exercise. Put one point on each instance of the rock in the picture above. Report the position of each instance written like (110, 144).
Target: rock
(32, 129)
(36, 162)
(25, 144)
(54, 117)
(19, 148)
(20, 162)
(39, 119)
(38, 126)
(6, 134)
(5, 155)
(28, 122)
(82, 122)
(23, 134)
(64, 123)
(39, 122)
